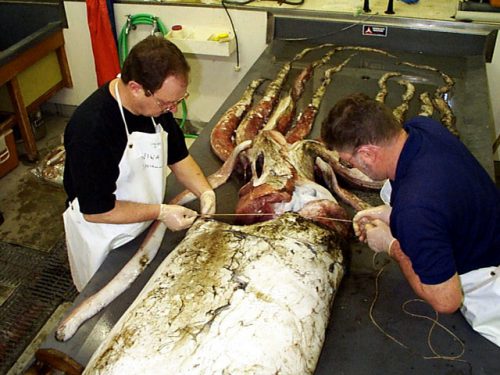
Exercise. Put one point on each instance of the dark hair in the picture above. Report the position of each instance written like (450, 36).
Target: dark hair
(357, 120)
(151, 61)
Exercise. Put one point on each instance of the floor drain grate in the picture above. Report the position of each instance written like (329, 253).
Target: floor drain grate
(37, 294)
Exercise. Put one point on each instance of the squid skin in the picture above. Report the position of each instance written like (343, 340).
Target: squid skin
(215, 179)
(221, 138)
(147, 251)
(286, 118)
(255, 119)
(323, 211)
(400, 111)
(260, 201)
(447, 117)
(306, 119)
(352, 176)
(303, 126)
(282, 115)
(365, 49)
(231, 299)
(300, 82)
(345, 195)
(127, 275)
(382, 84)
(426, 108)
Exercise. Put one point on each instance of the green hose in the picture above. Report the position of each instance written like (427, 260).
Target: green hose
(132, 21)
(158, 27)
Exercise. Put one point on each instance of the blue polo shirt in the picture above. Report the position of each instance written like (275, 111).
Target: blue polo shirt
(446, 208)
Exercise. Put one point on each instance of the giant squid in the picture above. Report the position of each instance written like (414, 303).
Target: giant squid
(282, 180)
(224, 286)
(251, 298)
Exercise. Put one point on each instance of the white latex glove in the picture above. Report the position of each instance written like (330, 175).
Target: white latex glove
(208, 202)
(379, 236)
(176, 217)
(382, 212)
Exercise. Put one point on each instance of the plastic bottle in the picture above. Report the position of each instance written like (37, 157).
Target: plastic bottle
(177, 32)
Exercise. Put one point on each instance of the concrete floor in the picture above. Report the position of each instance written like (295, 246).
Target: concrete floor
(54, 123)
(53, 127)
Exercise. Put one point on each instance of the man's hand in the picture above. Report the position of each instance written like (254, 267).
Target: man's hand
(176, 217)
(208, 203)
(359, 221)
(378, 236)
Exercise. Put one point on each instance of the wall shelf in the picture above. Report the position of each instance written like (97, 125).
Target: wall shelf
(202, 41)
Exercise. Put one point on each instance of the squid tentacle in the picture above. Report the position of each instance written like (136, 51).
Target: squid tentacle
(222, 135)
(306, 119)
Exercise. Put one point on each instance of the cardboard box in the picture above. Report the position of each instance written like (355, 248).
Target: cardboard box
(8, 153)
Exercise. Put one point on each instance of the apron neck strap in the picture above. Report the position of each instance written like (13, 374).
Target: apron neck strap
(120, 106)
(119, 100)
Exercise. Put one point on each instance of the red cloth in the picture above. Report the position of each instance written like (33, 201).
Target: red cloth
(104, 48)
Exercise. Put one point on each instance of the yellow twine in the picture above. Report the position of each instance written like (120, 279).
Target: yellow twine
(434, 320)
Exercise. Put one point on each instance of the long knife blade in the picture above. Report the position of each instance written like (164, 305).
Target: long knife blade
(269, 214)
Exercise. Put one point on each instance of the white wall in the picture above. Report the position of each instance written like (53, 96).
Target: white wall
(212, 77)
(80, 57)
(493, 72)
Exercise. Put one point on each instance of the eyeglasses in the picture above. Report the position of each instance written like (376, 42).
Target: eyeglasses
(347, 162)
(168, 105)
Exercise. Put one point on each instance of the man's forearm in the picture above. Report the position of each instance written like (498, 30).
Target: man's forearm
(126, 212)
(407, 268)
(445, 297)
(190, 175)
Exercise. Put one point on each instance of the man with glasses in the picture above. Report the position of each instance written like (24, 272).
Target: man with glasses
(443, 223)
(118, 144)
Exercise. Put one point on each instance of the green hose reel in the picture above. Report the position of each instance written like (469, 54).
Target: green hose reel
(157, 27)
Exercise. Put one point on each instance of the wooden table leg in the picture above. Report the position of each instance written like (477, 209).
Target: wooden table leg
(63, 64)
(22, 119)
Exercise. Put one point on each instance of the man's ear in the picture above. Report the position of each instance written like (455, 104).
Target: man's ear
(370, 153)
(135, 88)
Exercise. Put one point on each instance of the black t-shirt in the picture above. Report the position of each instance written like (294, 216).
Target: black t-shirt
(95, 139)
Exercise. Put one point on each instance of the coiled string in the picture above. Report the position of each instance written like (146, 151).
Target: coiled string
(404, 308)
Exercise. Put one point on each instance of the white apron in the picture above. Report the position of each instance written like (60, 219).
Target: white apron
(481, 307)
(385, 192)
(142, 178)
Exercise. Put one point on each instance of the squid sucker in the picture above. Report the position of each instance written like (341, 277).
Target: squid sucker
(231, 300)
